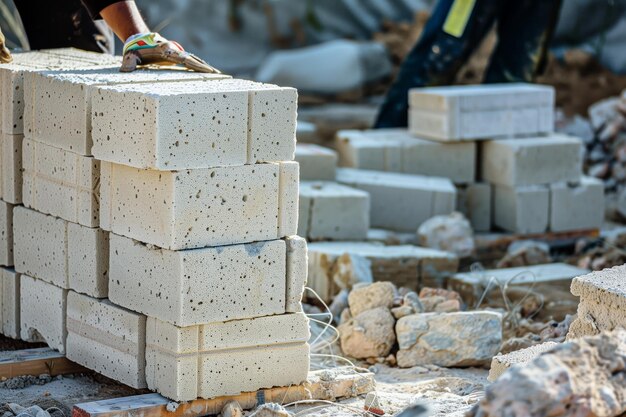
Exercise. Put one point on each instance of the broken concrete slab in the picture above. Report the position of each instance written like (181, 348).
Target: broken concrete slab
(197, 286)
(6, 234)
(65, 254)
(107, 339)
(218, 115)
(475, 202)
(10, 303)
(449, 339)
(330, 211)
(532, 161)
(317, 163)
(197, 208)
(11, 168)
(43, 312)
(61, 183)
(401, 202)
(501, 363)
(523, 209)
(185, 363)
(577, 206)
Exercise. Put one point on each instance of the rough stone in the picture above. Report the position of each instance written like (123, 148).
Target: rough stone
(501, 363)
(11, 168)
(6, 233)
(577, 207)
(10, 303)
(451, 233)
(449, 339)
(369, 334)
(317, 163)
(475, 202)
(368, 297)
(524, 209)
(526, 253)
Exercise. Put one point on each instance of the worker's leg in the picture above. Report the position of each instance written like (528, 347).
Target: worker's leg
(525, 29)
(437, 57)
(61, 24)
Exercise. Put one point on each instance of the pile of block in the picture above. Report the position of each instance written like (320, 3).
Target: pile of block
(157, 242)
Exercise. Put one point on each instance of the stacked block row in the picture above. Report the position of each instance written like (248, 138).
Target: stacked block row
(159, 205)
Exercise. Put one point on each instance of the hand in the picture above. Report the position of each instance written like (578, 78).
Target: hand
(5, 55)
(153, 49)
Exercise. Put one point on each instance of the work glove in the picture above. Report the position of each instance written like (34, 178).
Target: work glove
(5, 55)
(153, 49)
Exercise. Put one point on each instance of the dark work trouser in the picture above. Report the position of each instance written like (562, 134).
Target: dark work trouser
(524, 30)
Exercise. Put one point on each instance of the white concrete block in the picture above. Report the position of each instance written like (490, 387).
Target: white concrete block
(288, 199)
(107, 339)
(11, 168)
(501, 363)
(61, 101)
(401, 201)
(532, 161)
(297, 273)
(220, 359)
(201, 124)
(317, 163)
(523, 209)
(42, 313)
(10, 303)
(197, 286)
(65, 254)
(61, 183)
(196, 208)
(475, 201)
(331, 211)
(577, 207)
(396, 150)
(6, 234)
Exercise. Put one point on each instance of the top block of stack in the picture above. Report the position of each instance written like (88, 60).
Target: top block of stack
(191, 125)
(480, 112)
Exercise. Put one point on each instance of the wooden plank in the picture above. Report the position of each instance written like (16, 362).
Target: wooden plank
(321, 385)
(36, 362)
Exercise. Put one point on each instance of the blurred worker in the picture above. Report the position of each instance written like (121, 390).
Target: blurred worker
(455, 29)
(76, 23)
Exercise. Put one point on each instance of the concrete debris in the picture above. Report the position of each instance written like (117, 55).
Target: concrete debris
(369, 335)
(32, 411)
(232, 409)
(368, 297)
(584, 377)
(501, 363)
(437, 300)
(451, 233)
(526, 253)
(271, 410)
(402, 311)
(412, 300)
(528, 334)
(22, 382)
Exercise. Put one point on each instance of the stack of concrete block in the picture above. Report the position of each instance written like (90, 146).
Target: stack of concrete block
(160, 205)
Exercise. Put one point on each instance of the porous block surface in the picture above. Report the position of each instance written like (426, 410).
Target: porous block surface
(401, 202)
(198, 286)
(107, 339)
(184, 125)
(297, 272)
(524, 209)
(10, 303)
(6, 234)
(577, 206)
(217, 359)
(317, 163)
(288, 198)
(475, 202)
(532, 161)
(330, 211)
(11, 168)
(396, 150)
(65, 254)
(43, 312)
(606, 287)
(500, 363)
(196, 208)
(61, 183)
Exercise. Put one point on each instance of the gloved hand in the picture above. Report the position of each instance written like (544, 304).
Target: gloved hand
(152, 48)
(5, 55)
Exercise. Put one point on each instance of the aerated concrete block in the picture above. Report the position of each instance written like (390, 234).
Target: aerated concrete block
(288, 199)
(11, 168)
(197, 208)
(65, 254)
(479, 112)
(42, 313)
(218, 359)
(523, 209)
(330, 211)
(10, 303)
(107, 339)
(61, 183)
(185, 125)
(317, 163)
(532, 161)
(197, 286)
(297, 273)
(500, 363)
(577, 207)
(401, 202)
(60, 112)
(475, 201)
(6, 234)
(396, 150)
